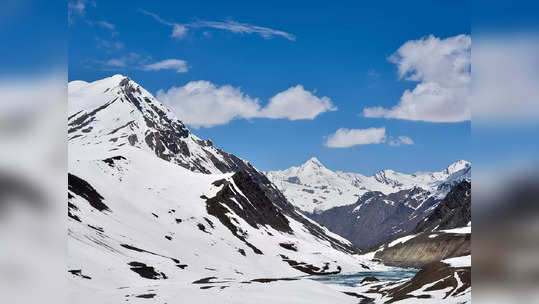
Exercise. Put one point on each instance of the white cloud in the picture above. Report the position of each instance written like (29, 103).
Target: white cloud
(399, 141)
(297, 103)
(168, 64)
(179, 30)
(345, 138)
(203, 104)
(442, 68)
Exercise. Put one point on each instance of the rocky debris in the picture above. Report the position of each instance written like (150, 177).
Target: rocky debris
(111, 160)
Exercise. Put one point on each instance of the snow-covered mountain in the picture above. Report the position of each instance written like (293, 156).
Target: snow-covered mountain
(115, 112)
(156, 212)
(314, 188)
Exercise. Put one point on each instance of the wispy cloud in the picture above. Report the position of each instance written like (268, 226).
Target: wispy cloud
(243, 28)
(134, 61)
(77, 8)
(106, 25)
(131, 60)
(109, 45)
(168, 64)
(179, 30)
(116, 62)
(399, 141)
(156, 17)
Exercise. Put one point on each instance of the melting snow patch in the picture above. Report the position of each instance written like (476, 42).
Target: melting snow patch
(401, 240)
(463, 261)
(463, 230)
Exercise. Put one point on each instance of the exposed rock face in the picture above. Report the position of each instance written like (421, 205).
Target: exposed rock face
(453, 283)
(261, 204)
(453, 211)
(78, 186)
(376, 217)
(116, 111)
(425, 248)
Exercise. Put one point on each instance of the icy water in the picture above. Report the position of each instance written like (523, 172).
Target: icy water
(354, 279)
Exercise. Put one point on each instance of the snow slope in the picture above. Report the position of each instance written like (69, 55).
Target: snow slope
(157, 213)
(314, 188)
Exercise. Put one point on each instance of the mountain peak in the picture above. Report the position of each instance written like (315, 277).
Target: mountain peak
(313, 161)
(115, 112)
(457, 166)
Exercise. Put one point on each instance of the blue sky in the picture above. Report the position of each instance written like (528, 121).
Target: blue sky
(336, 51)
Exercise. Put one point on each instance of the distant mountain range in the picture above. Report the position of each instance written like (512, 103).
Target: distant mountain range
(313, 188)
(367, 210)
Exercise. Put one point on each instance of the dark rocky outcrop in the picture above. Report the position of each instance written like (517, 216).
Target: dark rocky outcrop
(78, 273)
(260, 204)
(78, 186)
(147, 272)
(289, 246)
(86, 118)
(310, 269)
(369, 279)
(111, 160)
(455, 210)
